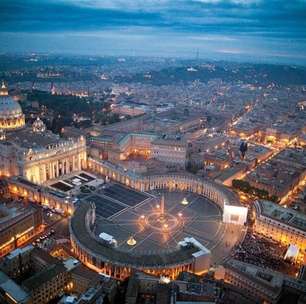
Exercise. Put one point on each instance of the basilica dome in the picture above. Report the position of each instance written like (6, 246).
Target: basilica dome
(11, 116)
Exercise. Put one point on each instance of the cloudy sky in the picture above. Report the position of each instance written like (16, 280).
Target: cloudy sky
(260, 30)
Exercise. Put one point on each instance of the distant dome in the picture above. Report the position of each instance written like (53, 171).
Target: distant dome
(11, 116)
(38, 126)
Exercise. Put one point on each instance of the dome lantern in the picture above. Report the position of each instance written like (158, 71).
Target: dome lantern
(3, 90)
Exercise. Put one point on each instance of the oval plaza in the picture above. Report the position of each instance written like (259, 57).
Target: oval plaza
(179, 207)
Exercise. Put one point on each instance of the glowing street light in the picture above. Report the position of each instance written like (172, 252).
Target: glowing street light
(184, 202)
(131, 241)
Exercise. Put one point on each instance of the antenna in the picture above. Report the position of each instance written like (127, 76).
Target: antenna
(197, 55)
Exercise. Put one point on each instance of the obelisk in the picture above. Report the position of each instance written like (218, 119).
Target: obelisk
(162, 205)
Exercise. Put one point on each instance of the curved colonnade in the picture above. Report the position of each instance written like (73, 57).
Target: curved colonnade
(109, 260)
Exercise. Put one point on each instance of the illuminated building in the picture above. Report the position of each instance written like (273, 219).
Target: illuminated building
(133, 143)
(11, 116)
(121, 146)
(17, 226)
(281, 224)
(280, 174)
(34, 152)
(129, 110)
(171, 151)
(260, 284)
(41, 277)
(47, 284)
(22, 188)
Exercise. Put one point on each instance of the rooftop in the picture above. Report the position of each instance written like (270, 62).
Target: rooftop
(44, 276)
(266, 277)
(9, 287)
(28, 139)
(282, 214)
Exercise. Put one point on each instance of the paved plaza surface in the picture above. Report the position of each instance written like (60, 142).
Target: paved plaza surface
(125, 213)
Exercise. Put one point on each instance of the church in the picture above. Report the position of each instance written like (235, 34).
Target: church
(34, 152)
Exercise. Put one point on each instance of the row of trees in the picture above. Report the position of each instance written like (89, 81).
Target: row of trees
(65, 105)
(245, 187)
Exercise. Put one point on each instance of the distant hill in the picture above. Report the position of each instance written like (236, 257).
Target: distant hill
(260, 74)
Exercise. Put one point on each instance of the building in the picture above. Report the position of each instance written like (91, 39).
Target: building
(227, 176)
(120, 146)
(262, 285)
(143, 286)
(40, 276)
(34, 152)
(46, 284)
(116, 146)
(125, 109)
(12, 293)
(170, 151)
(19, 187)
(11, 116)
(18, 262)
(191, 289)
(281, 224)
(280, 174)
(18, 225)
(83, 278)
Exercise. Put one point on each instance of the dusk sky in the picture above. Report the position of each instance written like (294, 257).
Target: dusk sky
(260, 30)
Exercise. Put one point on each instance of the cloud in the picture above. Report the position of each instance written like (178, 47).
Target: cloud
(236, 2)
(211, 25)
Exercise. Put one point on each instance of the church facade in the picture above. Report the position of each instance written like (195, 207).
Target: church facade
(32, 151)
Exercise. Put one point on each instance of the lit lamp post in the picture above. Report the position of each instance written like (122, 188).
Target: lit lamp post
(184, 202)
(131, 241)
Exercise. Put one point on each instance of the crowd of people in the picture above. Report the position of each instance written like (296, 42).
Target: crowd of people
(263, 252)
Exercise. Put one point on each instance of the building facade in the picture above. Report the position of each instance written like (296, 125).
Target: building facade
(281, 224)
(17, 226)
(262, 286)
(170, 151)
(20, 187)
(34, 152)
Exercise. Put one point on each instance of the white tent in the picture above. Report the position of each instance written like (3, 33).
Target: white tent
(292, 252)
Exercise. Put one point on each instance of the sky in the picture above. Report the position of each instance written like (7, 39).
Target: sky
(246, 30)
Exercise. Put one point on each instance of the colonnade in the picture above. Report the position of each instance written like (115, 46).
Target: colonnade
(17, 186)
(12, 123)
(217, 193)
(43, 170)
